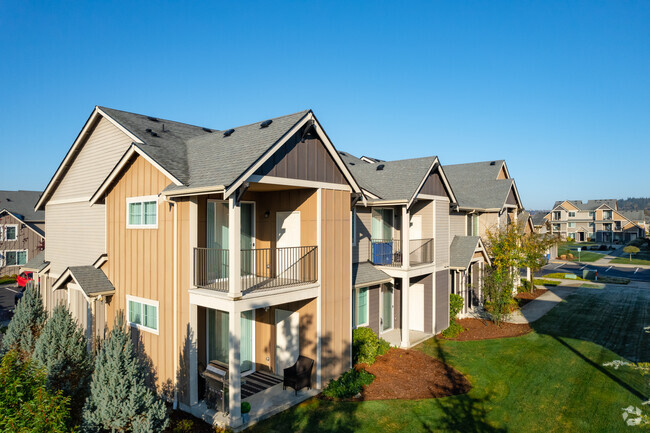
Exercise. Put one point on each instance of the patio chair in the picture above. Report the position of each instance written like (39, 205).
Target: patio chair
(298, 375)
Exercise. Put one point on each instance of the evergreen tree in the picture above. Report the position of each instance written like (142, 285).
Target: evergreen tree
(119, 398)
(62, 349)
(26, 325)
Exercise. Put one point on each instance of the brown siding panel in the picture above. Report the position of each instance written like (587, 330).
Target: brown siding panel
(26, 239)
(434, 186)
(442, 300)
(373, 308)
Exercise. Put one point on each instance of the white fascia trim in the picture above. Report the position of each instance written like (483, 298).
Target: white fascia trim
(62, 278)
(119, 126)
(434, 165)
(504, 165)
(441, 170)
(100, 261)
(119, 167)
(269, 152)
(369, 194)
(484, 251)
(186, 192)
(380, 203)
(273, 180)
(215, 300)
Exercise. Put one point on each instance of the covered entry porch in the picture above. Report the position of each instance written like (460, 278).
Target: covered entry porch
(242, 349)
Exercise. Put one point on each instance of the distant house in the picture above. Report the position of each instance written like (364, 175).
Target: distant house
(595, 220)
(22, 234)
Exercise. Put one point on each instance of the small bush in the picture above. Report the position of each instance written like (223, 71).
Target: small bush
(349, 384)
(245, 407)
(184, 426)
(367, 346)
(7, 279)
(544, 282)
(455, 306)
(453, 330)
(525, 287)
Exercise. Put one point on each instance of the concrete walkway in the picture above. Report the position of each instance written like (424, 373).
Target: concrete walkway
(538, 307)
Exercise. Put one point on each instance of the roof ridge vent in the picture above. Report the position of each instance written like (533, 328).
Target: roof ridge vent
(228, 133)
(153, 119)
(380, 167)
(266, 123)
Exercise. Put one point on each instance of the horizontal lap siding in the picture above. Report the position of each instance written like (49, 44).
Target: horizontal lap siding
(459, 222)
(26, 239)
(140, 263)
(425, 209)
(336, 283)
(75, 235)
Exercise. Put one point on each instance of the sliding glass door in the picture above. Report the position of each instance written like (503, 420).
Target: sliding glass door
(218, 338)
(217, 238)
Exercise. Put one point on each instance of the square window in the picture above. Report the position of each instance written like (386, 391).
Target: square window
(11, 233)
(142, 212)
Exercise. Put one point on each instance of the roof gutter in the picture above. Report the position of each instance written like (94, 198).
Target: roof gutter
(186, 192)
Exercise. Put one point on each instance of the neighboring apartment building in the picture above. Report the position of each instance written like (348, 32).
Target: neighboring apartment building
(140, 218)
(487, 199)
(400, 248)
(22, 235)
(595, 220)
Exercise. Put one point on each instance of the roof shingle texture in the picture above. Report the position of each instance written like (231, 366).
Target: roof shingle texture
(37, 262)
(201, 158)
(398, 180)
(365, 274)
(591, 204)
(461, 251)
(22, 203)
(91, 279)
(476, 185)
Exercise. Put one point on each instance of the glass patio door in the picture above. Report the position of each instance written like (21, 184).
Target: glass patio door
(218, 338)
(217, 239)
(387, 307)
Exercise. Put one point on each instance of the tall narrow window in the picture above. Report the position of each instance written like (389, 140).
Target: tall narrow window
(360, 307)
(11, 233)
(142, 212)
(474, 225)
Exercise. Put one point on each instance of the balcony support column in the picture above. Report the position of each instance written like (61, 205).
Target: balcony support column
(234, 365)
(406, 338)
(406, 248)
(234, 247)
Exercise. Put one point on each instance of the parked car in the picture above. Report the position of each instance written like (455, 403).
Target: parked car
(22, 280)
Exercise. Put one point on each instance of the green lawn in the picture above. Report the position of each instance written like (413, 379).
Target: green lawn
(585, 256)
(551, 380)
(627, 261)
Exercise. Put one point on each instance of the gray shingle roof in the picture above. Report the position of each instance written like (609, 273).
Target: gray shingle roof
(538, 218)
(92, 280)
(476, 185)
(591, 204)
(365, 274)
(22, 203)
(633, 215)
(198, 157)
(461, 251)
(37, 262)
(397, 181)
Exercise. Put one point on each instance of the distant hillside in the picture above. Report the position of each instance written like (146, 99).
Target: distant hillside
(632, 203)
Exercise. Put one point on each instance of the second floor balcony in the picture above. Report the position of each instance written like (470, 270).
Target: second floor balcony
(388, 252)
(261, 268)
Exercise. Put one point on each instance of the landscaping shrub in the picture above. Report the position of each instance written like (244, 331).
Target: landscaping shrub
(5, 279)
(544, 282)
(525, 287)
(26, 405)
(349, 384)
(184, 426)
(455, 306)
(366, 346)
(453, 330)
(26, 325)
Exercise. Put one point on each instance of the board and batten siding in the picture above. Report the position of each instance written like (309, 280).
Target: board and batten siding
(442, 241)
(336, 284)
(75, 230)
(361, 251)
(141, 263)
(26, 239)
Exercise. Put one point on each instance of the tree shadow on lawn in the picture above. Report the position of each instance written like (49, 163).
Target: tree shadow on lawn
(612, 317)
(463, 413)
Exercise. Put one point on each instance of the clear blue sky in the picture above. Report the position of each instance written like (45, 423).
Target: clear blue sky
(561, 90)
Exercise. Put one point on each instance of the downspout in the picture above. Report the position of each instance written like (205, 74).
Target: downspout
(175, 299)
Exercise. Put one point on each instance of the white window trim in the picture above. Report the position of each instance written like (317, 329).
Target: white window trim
(142, 199)
(572, 216)
(367, 322)
(5, 232)
(149, 302)
(3, 260)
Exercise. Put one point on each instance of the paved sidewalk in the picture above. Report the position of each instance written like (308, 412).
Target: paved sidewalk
(538, 307)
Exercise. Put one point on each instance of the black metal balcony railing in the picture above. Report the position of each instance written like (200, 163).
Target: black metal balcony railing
(388, 252)
(261, 268)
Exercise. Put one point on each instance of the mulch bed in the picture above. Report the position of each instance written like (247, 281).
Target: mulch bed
(525, 297)
(410, 374)
(477, 329)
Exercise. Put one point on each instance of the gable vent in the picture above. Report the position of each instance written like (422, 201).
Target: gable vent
(380, 167)
(153, 119)
(266, 123)
(228, 133)
(493, 163)
(207, 129)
